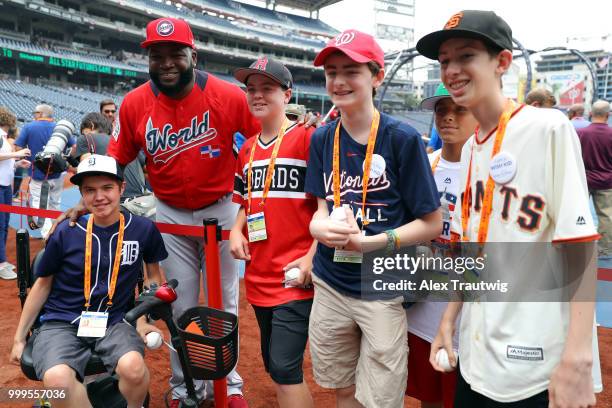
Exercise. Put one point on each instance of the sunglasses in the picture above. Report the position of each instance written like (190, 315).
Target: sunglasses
(110, 111)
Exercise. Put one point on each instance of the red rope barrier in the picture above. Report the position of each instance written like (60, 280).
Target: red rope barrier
(174, 229)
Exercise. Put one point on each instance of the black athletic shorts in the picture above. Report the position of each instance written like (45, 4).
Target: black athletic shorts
(465, 397)
(284, 333)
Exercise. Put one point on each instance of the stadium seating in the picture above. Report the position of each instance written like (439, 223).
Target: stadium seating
(221, 5)
(267, 25)
(261, 14)
(311, 24)
(62, 52)
(258, 24)
(421, 121)
(71, 104)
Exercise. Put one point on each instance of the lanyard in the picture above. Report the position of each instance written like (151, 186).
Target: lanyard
(113, 282)
(270, 171)
(435, 163)
(366, 164)
(487, 202)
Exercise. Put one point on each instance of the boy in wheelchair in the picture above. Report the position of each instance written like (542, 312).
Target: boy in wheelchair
(85, 285)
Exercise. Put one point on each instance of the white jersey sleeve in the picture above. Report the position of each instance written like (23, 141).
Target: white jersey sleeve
(567, 186)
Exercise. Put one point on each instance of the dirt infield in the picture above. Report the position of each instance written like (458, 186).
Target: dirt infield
(258, 388)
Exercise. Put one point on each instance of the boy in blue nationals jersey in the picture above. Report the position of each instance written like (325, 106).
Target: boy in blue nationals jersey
(358, 346)
(85, 285)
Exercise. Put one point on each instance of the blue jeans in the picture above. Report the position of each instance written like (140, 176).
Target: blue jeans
(6, 196)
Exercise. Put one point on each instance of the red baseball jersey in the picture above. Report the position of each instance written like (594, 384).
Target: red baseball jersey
(188, 142)
(287, 212)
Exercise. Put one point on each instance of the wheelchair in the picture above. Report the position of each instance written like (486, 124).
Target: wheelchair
(102, 388)
(205, 339)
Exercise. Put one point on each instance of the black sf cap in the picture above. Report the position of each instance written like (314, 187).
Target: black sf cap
(478, 24)
(269, 67)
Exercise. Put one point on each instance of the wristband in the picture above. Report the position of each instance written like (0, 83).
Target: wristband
(393, 242)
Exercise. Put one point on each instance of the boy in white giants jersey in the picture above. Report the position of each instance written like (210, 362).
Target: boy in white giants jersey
(455, 125)
(514, 354)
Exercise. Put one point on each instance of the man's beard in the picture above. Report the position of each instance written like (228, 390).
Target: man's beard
(185, 79)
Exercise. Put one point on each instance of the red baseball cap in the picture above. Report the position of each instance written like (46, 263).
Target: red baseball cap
(358, 46)
(168, 29)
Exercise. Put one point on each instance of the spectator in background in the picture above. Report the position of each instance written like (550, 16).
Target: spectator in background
(108, 108)
(541, 98)
(576, 116)
(95, 136)
(456, 124)
(435, 142)
(20, 172)
(7, 171)
(35, 136)
(596, 141)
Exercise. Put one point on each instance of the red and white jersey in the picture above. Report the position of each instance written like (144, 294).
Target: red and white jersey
(508, 350)
(188, 142)
(287, 211)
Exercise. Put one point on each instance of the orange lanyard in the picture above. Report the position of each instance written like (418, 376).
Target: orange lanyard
(366, 164)
(115, 274)
(270, 171)
(487, 202)
(435, 163)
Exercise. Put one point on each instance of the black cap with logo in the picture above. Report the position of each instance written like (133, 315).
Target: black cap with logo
(269, 67)
(478, 24)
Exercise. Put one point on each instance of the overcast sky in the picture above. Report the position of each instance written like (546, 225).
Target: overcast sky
(535, 23)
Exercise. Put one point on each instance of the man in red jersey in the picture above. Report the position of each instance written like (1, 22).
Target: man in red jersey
(184, 120)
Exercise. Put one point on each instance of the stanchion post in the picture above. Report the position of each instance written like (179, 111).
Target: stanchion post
(24, 275)
(212, 236)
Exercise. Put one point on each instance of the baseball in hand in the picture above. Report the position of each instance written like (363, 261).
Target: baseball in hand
(443, 361)
(154, 340)
(291, 275)
(338, 214)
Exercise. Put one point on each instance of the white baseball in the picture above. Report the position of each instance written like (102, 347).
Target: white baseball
(338, 214)
(442, 360)
(292, 274)
(154, 340)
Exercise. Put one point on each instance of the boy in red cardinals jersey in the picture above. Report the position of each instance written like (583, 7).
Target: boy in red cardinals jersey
(269, 187)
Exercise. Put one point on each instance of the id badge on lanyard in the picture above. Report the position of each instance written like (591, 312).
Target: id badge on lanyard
(256, 226)
(92, 324)
(256, 223)
(342, 255)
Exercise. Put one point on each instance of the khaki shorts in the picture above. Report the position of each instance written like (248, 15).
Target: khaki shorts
(359, 342)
